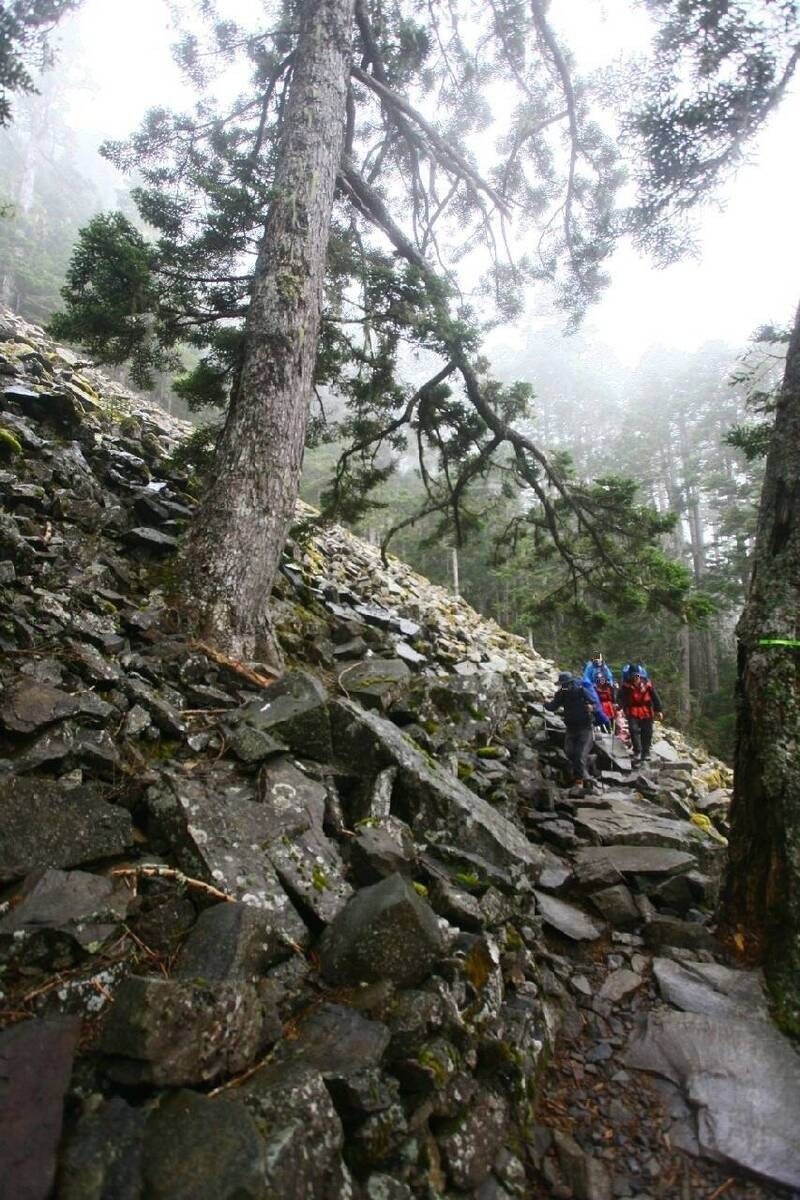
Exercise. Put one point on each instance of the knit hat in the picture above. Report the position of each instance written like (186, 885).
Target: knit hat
(565, 677)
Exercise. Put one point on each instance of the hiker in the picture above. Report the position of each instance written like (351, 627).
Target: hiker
(594, 666)
(606, 693)
(580, 710)
(640, 703)
(635, 665)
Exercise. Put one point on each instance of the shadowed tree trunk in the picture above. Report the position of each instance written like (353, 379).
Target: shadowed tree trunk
(761, 899)
(240, 530)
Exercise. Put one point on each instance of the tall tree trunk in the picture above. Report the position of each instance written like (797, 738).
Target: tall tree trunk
(761, 899)
(239, 533)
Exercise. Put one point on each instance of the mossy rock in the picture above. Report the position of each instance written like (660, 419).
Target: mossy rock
(10, 446)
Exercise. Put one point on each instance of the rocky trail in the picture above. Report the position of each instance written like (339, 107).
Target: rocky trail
(347, 933)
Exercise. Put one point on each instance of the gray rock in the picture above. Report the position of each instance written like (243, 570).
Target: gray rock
(294, 1114)
(293, 710)
(30, 706)
(335, 1040)
(230, 941)
(386, 932)
(635, 860)
(586, 1176)
(742, 1077)
(46, 825)
(102, 1157)
(670, 931)
(163, 714)
(35, 1067)
(616, 905)
(469, 1150)
(143, 537)
(425, 795)
(376, 682)
(218, 832)
(202, 1148)
(385, 1187)
(382, 847)
(566, 918)
(711, 989)
(629, 823)
(172, 1032)
(87, 908)
(619, 984)
(311, 870)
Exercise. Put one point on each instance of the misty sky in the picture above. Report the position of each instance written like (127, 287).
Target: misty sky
(749, 270)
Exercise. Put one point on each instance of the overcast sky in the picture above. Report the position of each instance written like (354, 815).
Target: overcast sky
(749, 269)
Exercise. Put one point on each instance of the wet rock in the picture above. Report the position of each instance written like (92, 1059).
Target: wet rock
(469, 1150)
(629, 823)
(458, 906)
(46, 825)
(172, 1032)
(230, 941)
(572, 922)
(670, 931)
(386, 932)
(35, 1066)
(31, 706)
(740, 1076)
(711, 989)
(102, 1156)
(163, 714)
(253, 745)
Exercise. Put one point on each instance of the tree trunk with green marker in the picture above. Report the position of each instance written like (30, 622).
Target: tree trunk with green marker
(241, 528)
(761, 898)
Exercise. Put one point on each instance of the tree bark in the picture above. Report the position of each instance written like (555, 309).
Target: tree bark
(239, 533)
(761, 898)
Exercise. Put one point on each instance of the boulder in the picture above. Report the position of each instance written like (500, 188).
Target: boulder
(202, 1148)
(35, 1068)
(294, 711)
(617, 906)
(386, 932)
(83, 908)
(219, 832)
(469, 1149)
(634, 860)
(46, 825)
(174, 1032)
(375, 682)
(230, 941)
(102, 1156)
(431, 800)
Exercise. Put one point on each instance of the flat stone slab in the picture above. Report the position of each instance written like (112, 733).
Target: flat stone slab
(711, 989)
(566, 918)
(743, 1078)
(638, 860)
(629, 823)
(619, 984)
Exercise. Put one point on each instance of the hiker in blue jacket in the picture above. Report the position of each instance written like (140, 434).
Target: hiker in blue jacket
(595, 666)
(581, 708)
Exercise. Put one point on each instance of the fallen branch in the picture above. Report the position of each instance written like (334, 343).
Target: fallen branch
(233, 664)
(153, 870)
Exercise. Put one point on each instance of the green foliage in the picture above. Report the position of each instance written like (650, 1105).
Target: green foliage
(24, 29)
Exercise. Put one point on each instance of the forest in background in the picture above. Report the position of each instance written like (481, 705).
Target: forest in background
(662, 423)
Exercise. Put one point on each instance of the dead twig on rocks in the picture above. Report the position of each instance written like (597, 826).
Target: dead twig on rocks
(154, 871)
(233, 664)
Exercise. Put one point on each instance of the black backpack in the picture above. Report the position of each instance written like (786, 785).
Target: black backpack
(578, 704)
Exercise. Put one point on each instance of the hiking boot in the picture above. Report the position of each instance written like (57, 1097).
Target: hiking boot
(636, 762)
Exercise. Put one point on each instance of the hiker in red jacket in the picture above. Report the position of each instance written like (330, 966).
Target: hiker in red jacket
(607, 693)
(640, 703)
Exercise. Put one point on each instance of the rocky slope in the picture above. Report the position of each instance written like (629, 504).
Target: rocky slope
(317, 937)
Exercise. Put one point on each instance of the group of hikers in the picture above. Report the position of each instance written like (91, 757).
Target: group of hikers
(596, 700)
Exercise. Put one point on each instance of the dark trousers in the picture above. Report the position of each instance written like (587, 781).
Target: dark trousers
(578, 743)
(641, 729)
